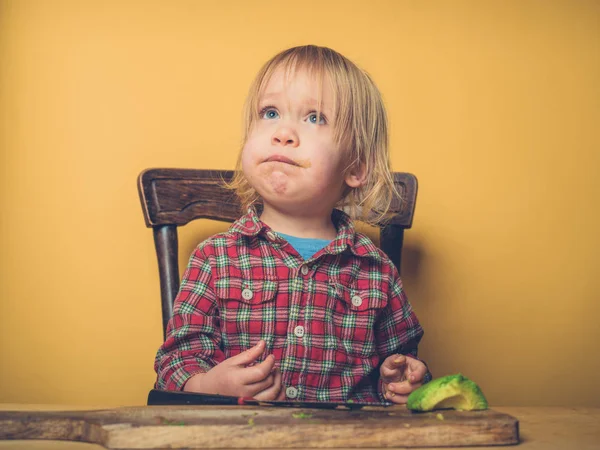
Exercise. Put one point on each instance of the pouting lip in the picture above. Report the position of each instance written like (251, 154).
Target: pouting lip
(282, 159)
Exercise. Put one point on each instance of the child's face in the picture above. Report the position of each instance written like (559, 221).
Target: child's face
(290, 157)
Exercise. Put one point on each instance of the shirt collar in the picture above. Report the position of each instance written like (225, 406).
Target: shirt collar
(346, 238)
(249, 224)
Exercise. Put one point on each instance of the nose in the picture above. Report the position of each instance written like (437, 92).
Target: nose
(285, 136)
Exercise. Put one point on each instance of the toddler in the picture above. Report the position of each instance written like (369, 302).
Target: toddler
(292, 303)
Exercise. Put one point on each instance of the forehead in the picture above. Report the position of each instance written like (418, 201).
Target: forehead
(297, 85)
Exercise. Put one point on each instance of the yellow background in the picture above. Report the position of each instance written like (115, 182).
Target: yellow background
(494, 105)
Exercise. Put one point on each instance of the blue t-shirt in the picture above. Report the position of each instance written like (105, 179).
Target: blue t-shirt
(305, 246)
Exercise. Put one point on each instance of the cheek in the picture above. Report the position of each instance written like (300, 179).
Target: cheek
(246, 155)
(247, 167)
(249, 156)
(326, 169)
(328, 176)
(254, 148)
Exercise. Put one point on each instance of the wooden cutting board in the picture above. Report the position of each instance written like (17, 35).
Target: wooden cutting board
(151, 427)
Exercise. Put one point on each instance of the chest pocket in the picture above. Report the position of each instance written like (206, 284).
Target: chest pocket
(247, 311)
(354, 314)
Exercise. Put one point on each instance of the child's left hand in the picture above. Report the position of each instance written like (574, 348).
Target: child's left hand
(400, 375)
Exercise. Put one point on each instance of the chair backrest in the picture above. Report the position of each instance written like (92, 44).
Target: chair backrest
(173, 197)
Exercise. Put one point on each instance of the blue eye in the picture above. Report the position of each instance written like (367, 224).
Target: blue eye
(313, 119)
(269, 113)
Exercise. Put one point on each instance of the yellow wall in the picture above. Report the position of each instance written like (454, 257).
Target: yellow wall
(494, 106)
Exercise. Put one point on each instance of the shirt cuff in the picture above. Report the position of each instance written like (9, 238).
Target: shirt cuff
(179, 377)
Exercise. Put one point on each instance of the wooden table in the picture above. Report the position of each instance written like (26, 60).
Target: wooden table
(545, 428)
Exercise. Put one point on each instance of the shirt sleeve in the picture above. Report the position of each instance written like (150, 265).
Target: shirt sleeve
(398, 330)
(193, 337)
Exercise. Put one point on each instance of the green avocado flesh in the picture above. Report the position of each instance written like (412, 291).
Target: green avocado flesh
(452, 391)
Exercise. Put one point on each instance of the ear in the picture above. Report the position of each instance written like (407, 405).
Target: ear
(357, 176)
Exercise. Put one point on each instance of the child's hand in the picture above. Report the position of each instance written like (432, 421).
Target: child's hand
(400, 375)
(275, 392)
(238, 377)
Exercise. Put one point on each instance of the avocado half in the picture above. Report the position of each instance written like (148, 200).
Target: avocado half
(452, 391)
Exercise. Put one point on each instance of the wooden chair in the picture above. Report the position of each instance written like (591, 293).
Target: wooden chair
(173, 197)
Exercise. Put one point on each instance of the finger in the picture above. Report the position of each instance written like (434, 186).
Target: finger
(396, 398)
(250, 355)
(251, 390)
(416, 370)
(281, 396)
(403, 388)
(392, 368)
(259, 372)
(394, 361)
(273, 392)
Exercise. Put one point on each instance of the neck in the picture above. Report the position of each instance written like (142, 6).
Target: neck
(316, 226)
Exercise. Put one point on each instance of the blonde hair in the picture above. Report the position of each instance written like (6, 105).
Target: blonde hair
(360, 128)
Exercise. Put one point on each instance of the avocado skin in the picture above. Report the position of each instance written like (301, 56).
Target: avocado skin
(431, 394)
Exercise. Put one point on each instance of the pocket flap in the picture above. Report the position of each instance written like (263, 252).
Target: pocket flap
(359, 299)
(245, 291)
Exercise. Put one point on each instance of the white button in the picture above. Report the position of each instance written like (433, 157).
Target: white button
(291, 392)
(304, 269)
(356, 300)
(299, 331)
(271, 235)
(247, 294)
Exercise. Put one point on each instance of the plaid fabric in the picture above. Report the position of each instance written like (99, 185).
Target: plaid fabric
(249, 284)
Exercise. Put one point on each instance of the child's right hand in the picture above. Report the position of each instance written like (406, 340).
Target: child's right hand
(235, 376)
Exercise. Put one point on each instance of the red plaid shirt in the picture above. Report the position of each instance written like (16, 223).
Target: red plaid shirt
(330, 320)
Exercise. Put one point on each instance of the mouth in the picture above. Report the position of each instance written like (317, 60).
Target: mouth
(281, 159)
